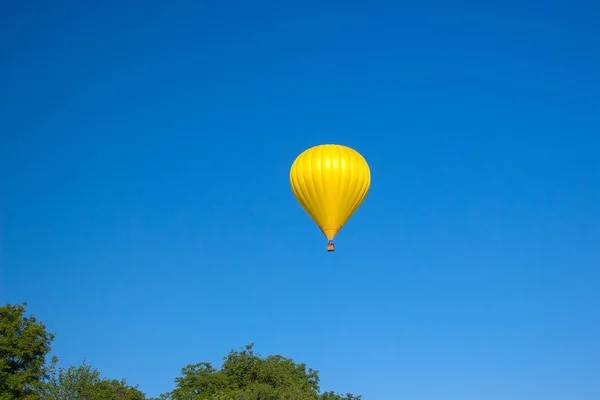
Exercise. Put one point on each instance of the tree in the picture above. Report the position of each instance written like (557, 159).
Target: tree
(244, 375)
(24, 345)
(25, 373)
(86, 383)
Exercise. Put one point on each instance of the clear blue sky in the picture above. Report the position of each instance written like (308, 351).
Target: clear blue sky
(147, 216)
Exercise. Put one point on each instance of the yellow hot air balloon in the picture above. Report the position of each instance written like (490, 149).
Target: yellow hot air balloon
(330, 182)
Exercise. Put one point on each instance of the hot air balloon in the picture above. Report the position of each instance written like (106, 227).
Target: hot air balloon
(330, 181)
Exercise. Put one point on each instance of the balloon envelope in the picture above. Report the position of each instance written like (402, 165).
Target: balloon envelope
(330, 182)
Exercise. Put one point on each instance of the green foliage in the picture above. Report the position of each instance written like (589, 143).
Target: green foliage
(334, 396)
(25, 373)
(24, 345)
(86, 383)
(244, 375)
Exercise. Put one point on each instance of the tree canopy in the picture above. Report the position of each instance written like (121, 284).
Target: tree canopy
(24, 345)
(26, 373)
(244, 375)
(84, 382)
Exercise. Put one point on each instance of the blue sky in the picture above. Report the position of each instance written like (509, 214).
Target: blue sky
(147, 216)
